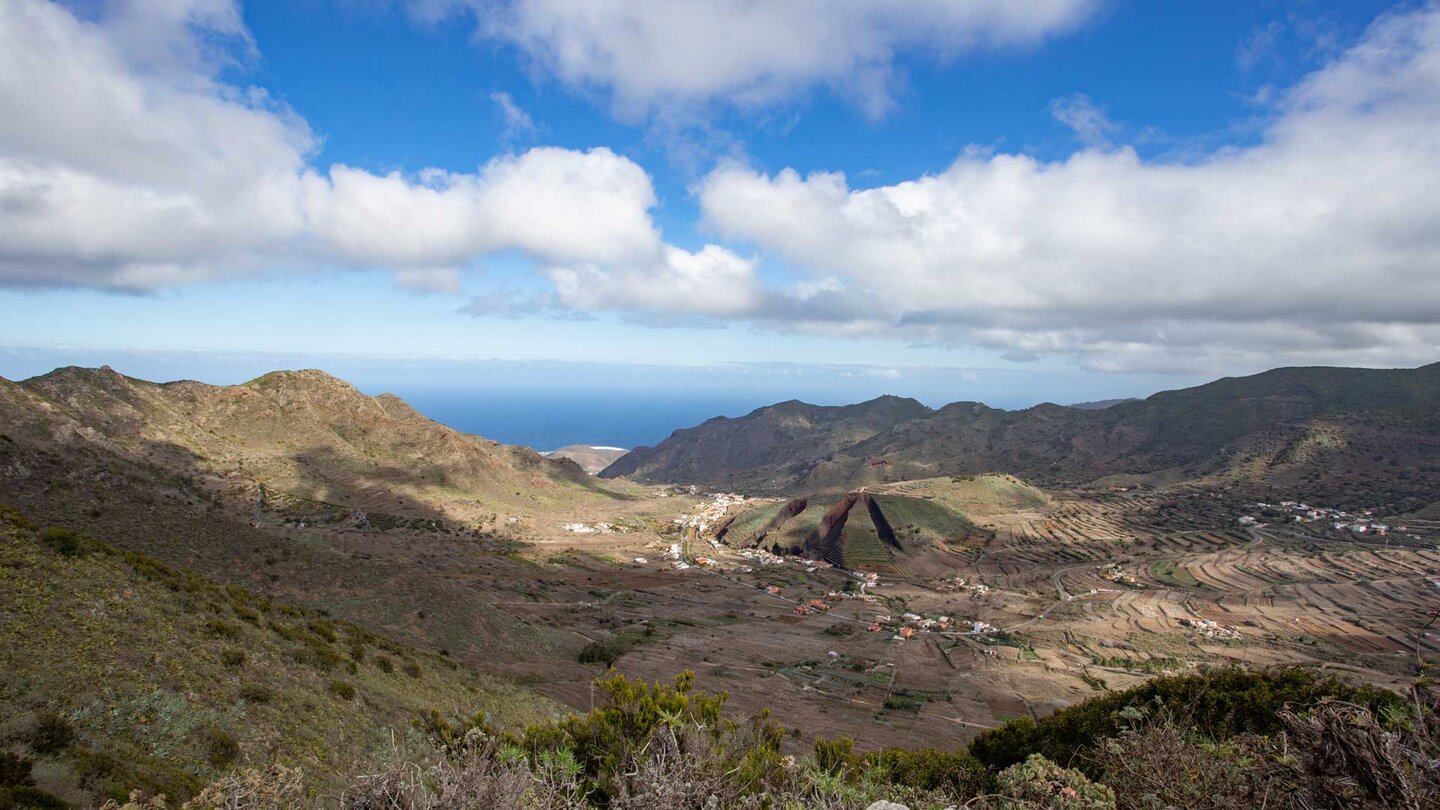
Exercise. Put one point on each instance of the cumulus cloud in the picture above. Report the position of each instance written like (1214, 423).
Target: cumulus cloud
(125, 164)
(121, 162)
(1320, 242)
(711, 282)
(751, 52)
(555, 204)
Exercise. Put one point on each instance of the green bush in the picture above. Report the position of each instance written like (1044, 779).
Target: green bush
(604, 741)
(927, 769)
(410, 668)
(52, 733)
(232, 659)
(220, 746)
(25, 797)
(322, 628)
(384, 664)
(342, 690)
(1038, 782)
(1220, 704)
(221, 629)
(65, 542)
(835, 756)
(255, 693)
(607, 650)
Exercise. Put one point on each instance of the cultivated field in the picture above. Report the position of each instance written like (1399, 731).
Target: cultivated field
(1076, 592)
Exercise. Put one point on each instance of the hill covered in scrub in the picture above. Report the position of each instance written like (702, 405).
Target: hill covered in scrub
(298, 486)
(303, 434)
(119, 673)
(1341, 433)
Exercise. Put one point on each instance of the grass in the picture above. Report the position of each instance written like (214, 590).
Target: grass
(924, 520)
(977, 494)
(794, 532)
(861, 544)
(1170, 573)
(743, 528)
(165, 678)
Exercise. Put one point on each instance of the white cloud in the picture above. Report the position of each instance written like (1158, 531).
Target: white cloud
(121, 162)
(1320, 242)
(517, 121)
(125, 164)
(1084, 118)
(556, 204)
(662, 53)
(712, 282)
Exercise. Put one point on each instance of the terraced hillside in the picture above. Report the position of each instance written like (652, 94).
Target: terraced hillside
(859, 530)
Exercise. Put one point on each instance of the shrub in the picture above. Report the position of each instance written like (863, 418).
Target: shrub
(52, 733)
(342, 690)
(221, 629)
(65, 542)
(232, 659)
(1220, 704)
(255, 693)
(410, 668)
(384, 664)
(608, 739)
(607, 650)
(322, 628)
(1038, 782)
(15, 771)
(25, 797)
(834, 756)
(1162, 763)
(451, 736)
(12, 516)
(220, 746)
(275, 787)
(928, 769)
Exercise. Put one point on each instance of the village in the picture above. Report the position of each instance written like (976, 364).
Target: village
(1299, 512)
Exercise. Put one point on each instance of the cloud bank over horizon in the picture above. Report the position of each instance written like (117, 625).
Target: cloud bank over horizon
(130, 160)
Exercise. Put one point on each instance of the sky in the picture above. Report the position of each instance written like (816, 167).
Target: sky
(950, 199)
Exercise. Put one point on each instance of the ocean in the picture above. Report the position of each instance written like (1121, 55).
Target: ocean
(552, 419)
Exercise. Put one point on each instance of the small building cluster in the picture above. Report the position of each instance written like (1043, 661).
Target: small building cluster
(712, 511)
(1211, 629)
(1114, 573)
(588, 528)
(1361, 522)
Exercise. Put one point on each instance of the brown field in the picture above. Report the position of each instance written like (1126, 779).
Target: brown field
(1293, 598)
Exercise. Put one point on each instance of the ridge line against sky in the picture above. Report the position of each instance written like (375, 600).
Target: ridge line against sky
(934, 183)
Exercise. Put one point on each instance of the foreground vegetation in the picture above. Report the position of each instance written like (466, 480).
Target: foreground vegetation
(124, 680)
(1218, 740)
(119, 673)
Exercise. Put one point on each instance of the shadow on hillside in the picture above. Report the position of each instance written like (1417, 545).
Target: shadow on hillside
(368, 486)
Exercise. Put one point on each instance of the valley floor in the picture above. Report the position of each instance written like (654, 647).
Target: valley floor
(1089, 592)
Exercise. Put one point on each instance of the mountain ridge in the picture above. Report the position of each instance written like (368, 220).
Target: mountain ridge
(1253, 426)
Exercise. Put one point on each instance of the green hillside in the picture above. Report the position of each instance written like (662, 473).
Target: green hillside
(925, 521)
(119, 672)
(975, 494)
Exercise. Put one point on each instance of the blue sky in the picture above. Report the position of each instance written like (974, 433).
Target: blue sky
(1079, 197)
